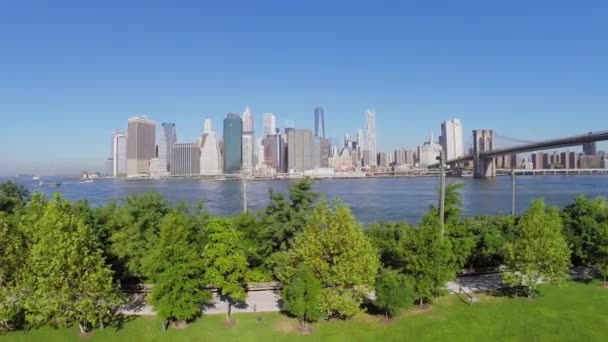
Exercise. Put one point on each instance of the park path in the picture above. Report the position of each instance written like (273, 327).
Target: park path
(270, 301)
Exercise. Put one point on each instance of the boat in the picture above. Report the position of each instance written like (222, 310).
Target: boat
(36, 178)
(55, 184)
(87, 181)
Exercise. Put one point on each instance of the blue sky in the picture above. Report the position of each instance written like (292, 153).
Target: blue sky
(71, 71)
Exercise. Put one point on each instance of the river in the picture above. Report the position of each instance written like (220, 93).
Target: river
(371, 199)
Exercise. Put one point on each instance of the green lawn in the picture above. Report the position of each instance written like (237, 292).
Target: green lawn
(574, 312)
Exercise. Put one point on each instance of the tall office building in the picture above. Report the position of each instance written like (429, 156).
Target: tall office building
(270, 124)
(185, 159)
(141, 145)
(451, 139)
(119, 153)
(299, 149)
(319, 122)
(590, 148)
(428, 152)
(371, 135)
(274, 153)
(210, 161)
(233, 149)
(247, 140)
(168, 137)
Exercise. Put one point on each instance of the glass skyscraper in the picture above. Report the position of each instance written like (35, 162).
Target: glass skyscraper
(319, 122)
(233, 152)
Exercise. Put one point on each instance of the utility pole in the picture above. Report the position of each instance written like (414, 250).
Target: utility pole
(513, 192)
(442, 193)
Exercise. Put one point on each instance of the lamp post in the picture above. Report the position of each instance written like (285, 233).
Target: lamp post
(441, 193)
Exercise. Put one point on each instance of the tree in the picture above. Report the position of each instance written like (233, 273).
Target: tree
(65, 279)
(453, 201)
(12, 196)
(301, 296)
(393, 292)
(538, 251)
(226, 261)
(490, 235)
(177, 270)
(135, 227)
(599, 253)
(429, 262)
(12, 253)
(387, 237)
(333, 246)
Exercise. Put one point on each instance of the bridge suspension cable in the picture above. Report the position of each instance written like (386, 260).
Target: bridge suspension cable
(521, 141)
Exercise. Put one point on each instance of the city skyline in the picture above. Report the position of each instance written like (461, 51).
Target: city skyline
(73, 72)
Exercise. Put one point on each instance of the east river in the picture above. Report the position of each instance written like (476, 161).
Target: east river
(371, 199)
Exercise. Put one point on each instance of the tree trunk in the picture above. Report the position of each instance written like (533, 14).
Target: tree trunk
(164, 325)
(83, 328)
(386, 315)
(420, 301)
(228, 312)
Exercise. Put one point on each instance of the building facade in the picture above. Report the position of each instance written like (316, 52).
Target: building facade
(168, 137)
(452, 139)
(371, 135)
(141, 145)
(319, 122)
(211, 156)
(119, 153)
(185, 159)
(270, 124)
(299, 149)
(428, 152)
(590, 148)
(233, 149)
(247, 141)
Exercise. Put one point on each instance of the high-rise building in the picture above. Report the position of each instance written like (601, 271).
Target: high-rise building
(168, 137)
(371, 135)
(141, 145)
(210, 161)
(319, 122)
(247, 140)
(185, 159)
(428, 152)
(382, 159)
(590, 148)
(233, 149)
(270, 124)
(299, 149)
(108, 166)
(119, 153)
(316, 152)
(452, 140)
(325, 152)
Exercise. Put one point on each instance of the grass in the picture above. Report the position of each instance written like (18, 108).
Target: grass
(573, 312)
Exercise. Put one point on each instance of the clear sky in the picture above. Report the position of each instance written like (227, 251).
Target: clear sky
(71, 71)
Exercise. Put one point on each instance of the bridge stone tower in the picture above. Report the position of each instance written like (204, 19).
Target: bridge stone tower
(483, 141)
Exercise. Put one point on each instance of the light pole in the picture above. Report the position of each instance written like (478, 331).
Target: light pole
(441, 193)
(513, 192)
(244, 192)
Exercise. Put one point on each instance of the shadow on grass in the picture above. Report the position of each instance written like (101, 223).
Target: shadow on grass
(514, 292)
(119, 321)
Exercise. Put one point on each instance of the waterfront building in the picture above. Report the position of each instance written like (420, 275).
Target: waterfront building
(428, 152)
(210, 160)
(141, 145)
(319, 122)
(270, 124)
(185, 159)
(274, 152)
(233, 149)
(316, 152)
(108, 166)
(168, 137)
(452, 139)
(299, 149)
(247, 140)
(119, 153)
(382, 160)
(590, 148)
(325, 152)
(371, 135)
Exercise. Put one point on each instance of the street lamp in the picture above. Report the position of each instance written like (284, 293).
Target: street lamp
(441, 192)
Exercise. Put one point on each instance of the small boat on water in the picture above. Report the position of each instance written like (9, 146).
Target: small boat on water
(36, 178)
(55, 184)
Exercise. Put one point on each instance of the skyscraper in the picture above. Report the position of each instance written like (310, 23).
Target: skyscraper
(210, 161)
(274, 152)
(185, 159)
(299, 149)
(452, 139)
(270, 124)
(141, 144)
(590, 148)
(247, 140)
(319, 122)
(428, 152)
(233, 149)
(168, 137)
(371, 135)
(119, 153)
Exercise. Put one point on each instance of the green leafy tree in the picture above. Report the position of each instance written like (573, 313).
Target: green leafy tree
(65, 279)
(429, 262)
(225, 261)
(538, 250)
(490, 235)
(301, 296)
(177, 270)
(393, 292)
(599, 253)
(453, 201)
(12, 196)
(334, 248)
(12, 253)
(135, 227)
(388, 237)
